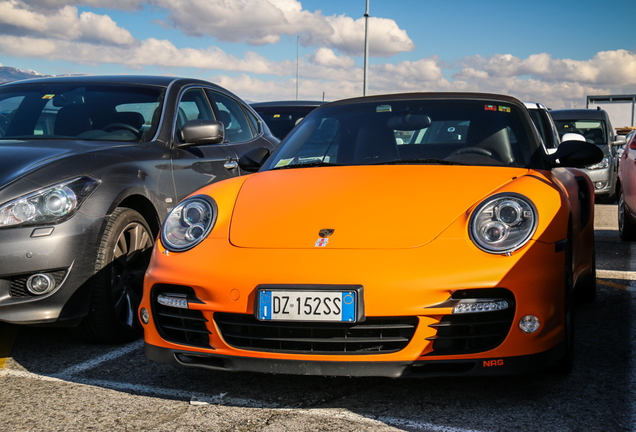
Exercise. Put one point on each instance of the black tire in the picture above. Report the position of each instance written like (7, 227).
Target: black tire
(122, 260)
(586, 288)
(566, 362)
(626, 229)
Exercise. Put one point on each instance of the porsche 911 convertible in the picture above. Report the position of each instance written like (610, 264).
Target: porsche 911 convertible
(406, 235)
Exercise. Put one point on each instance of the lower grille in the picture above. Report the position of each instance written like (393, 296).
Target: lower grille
(182, 326)
(18, 289)
(373, 336)
(474, 332)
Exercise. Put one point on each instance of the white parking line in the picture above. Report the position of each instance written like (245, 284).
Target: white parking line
(90, 364)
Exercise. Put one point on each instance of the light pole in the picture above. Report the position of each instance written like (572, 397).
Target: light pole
(297, 61)
(366, 50)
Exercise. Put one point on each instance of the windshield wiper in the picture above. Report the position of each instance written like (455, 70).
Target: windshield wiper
(306, 165)
(430, 161)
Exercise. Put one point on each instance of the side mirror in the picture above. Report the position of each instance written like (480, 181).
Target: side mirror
(202, 132)
(576, 154)
(254, 159)
(620, 140)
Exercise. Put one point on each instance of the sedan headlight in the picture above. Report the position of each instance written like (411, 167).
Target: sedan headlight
(602, 164)
(503, 223)
(49, 205)
(189, 223)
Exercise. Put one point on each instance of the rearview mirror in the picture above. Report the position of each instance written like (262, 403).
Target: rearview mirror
(619, 140)
(254, 159)
(202, 132)
(576, 154)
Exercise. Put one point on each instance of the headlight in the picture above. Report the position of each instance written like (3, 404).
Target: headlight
(602, 164)
(503, 223)
(189, 223)
(50, 205)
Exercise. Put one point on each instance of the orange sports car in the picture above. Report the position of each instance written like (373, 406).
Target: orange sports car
(415, 234)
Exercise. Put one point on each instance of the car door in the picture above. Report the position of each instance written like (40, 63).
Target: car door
(242, 128)
(628, 175)
(197, 166)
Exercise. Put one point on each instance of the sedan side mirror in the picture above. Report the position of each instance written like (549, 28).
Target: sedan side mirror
(254, 159)
(202, 132)
(576, 154)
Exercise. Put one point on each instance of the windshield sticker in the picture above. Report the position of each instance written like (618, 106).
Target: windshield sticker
(48, 96)
(504, 109)
(383, 108)
(283, 162)
(491, 107)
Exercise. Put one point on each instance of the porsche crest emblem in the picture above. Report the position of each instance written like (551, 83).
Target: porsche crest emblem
(324, 233)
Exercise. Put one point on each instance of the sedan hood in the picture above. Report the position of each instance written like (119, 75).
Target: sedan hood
(371, 207)
(21, 157)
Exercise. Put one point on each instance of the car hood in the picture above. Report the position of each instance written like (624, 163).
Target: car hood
(372, 207)
(21, 157)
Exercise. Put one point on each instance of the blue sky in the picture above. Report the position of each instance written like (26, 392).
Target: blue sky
(555, 52)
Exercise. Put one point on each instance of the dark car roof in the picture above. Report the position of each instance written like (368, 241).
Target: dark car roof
(162, 81)
(428, 95)
(578, 114)
(291, 103)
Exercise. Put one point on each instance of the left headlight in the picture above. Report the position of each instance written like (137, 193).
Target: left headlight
(601, 165)
(49, 205)
(189, 223)
(503, 223)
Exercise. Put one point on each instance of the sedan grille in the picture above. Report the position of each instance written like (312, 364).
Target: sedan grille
(469, 333)
(373, 336)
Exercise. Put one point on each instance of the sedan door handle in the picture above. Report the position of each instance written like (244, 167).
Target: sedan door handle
(230, 164)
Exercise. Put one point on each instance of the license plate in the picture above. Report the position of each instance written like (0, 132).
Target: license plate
(335, 306)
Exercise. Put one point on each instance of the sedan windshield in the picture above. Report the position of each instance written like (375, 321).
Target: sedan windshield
(411, 131)
(79, 111)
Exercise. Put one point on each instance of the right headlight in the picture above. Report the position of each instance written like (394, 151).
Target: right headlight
(49, 205)
(189, 223)
(503, 223)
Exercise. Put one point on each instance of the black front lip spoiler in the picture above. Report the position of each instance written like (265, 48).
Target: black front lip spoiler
(417, 369)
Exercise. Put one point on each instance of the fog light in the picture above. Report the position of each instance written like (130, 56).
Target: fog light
(145, 316)
(529, 324)
(599, 185)
(173, 300)
(474, 305)
(40, 284)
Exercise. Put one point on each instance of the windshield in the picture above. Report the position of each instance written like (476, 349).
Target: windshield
(281, 119)
(594, 131)
(79, 111)
(463, 132)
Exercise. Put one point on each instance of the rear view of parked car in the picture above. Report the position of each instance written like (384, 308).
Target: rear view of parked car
(90, 168)
(283, 116)
(596, 128)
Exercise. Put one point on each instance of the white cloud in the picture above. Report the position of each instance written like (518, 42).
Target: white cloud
(385, 37)
(327, 57)
(256, 22)
(63, 23)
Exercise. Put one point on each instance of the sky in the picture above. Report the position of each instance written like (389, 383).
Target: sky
(555, 52)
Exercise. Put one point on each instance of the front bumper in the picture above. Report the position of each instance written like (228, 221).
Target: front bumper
(417, 369)
(602, 180)
(67, 250)
(414, 283)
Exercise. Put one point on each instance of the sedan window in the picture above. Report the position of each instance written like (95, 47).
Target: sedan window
(237, 126)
